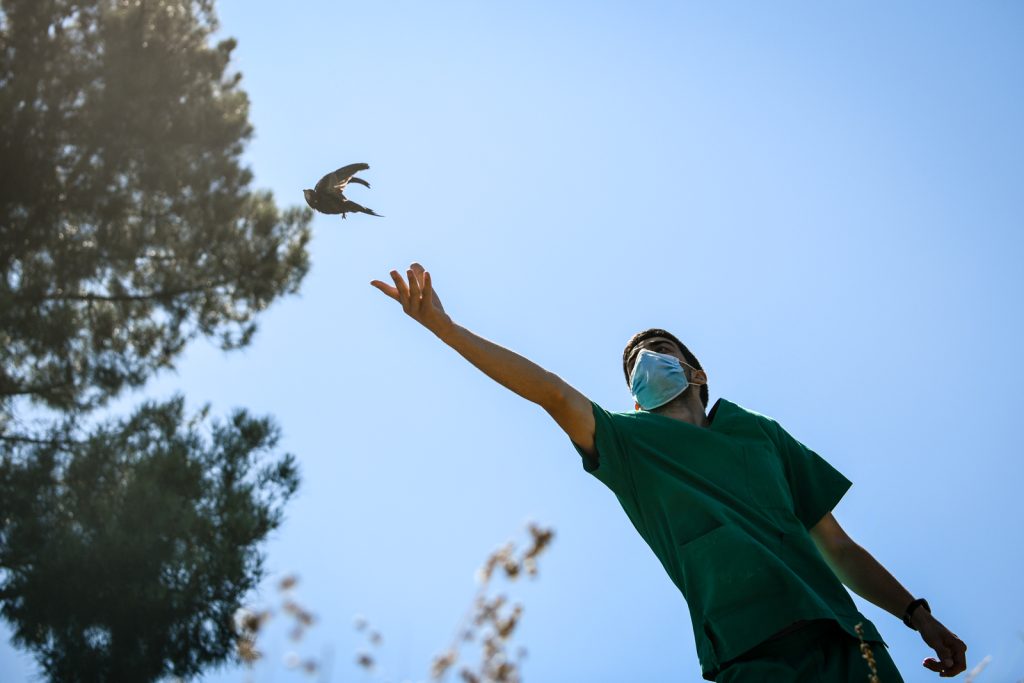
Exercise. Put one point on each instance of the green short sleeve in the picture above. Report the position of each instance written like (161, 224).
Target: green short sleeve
(610, 463)
(817, 487)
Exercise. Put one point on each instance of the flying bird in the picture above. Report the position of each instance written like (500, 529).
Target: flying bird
(329, 194)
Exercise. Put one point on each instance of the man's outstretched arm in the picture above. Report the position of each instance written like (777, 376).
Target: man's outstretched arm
(866, 577)
(569, 408)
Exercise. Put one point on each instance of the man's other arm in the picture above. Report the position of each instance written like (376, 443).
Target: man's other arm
(866, 577)
(567, 406)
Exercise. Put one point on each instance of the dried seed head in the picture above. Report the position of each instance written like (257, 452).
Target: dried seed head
(253, 621)
(359, 621)
(499, 556)
(247, 652)
(505, 672)
(511, 568)
(301, 615)
(442, 663)
(288, 582)
(505, 626)
(492, 647)
(541, 539)
(364, 660)
(375, 638)
(248, 623)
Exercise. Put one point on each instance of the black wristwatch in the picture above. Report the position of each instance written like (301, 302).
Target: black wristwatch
(910, 610)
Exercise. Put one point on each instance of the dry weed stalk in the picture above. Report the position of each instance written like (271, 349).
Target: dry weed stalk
(494, 618)
(248, 625)
(869, 657)
(364, 658)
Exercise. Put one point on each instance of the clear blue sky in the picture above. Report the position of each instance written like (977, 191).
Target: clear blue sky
(823, 201)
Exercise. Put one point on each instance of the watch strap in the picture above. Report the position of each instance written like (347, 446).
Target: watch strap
(910, 610)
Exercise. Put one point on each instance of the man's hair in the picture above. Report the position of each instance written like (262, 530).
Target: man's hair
(656, 332)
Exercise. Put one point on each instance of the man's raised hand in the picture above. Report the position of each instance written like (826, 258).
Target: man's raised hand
(418, 298)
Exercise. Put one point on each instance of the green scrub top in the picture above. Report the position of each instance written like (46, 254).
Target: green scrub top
(726, 508)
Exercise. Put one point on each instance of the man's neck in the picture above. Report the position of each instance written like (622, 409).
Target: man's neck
(689, 409)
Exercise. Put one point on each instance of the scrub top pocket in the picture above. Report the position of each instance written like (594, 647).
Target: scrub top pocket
(734, 585)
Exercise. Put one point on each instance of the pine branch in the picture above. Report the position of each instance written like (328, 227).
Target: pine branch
(150, 296)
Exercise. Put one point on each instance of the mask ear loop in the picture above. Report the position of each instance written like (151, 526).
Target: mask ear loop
(695, 384)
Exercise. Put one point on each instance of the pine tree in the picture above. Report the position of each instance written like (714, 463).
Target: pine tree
(128, 228)
(125, 555)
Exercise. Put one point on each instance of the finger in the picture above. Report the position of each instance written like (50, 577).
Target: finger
(403, 291)
(428, 288)
(416, 272)
(959, 658)
(415, 296)
(415, 277)
(932, 665)
(945, 655)
(387, 289)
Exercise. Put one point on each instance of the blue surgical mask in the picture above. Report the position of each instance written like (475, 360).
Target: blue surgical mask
(657, 379)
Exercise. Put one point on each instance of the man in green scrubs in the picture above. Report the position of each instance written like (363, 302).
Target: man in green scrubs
(736, 509)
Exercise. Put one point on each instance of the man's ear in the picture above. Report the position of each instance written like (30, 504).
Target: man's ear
(636, 406)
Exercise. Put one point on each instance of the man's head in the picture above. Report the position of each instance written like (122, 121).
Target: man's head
(661, 341)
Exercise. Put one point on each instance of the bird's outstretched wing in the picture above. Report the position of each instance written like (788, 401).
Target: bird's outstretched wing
(337, 180)
(349, 206)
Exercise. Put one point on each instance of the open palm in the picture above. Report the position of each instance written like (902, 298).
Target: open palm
(418, 298)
